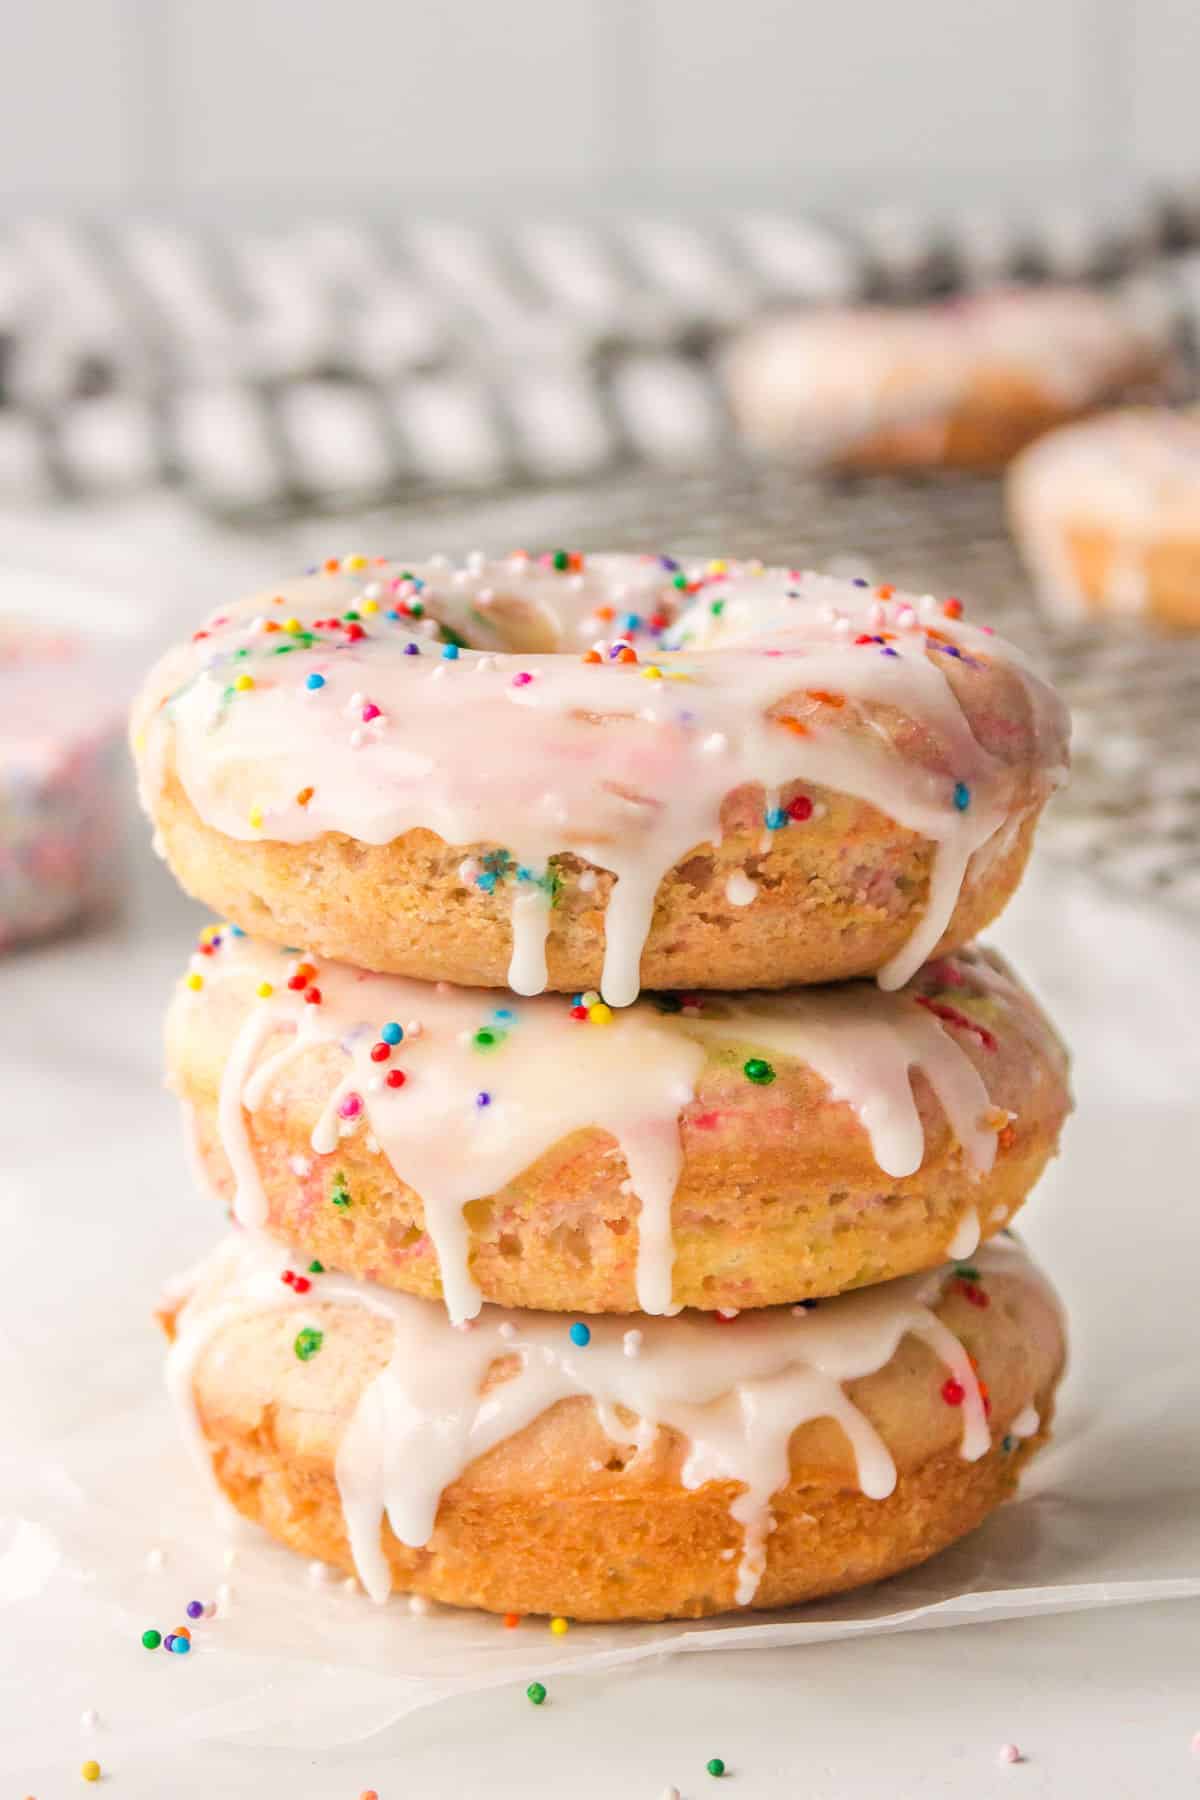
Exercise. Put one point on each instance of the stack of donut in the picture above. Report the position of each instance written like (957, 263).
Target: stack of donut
(619, 1131)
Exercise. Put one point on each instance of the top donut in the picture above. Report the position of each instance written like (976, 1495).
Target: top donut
(962, 383)
(570, 772)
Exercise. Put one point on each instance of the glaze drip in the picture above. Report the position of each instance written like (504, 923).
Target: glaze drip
(487, 1089)
(710, 681)
(735, 1395)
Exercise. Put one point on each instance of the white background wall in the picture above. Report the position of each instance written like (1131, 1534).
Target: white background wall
(270, 107)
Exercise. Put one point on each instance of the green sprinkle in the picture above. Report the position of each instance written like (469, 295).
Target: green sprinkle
(152, 1639)
(308, 1342)
(561, 560)
(535, 1692)
(340, 1193)
(715, 1765)
(416, 609)
(966, 1272)
(352, 618)
(315, 1267)
(1008, 1443)
(489, 1037)
(717, 608)
(758, 1071)
(283, 650)
(680, 582)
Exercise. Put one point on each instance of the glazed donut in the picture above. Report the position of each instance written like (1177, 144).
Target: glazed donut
(659, 1468)
(821, 780)
(1107, 515)
(962, 384)
(59, 742)
(704, 1150)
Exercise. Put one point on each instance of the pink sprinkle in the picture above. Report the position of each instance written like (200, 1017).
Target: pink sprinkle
(370, 711)
(1196, 1744)
(522, 680)
(1010, 1754)
(350, 1107)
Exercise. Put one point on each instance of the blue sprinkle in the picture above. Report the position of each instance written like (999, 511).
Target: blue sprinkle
(450, 652)
(392, 1033)
(483, 1098)
(776, 818)
(1008, 1443)
(392, 614)
(504, 1012)
(487, 882)
(524, 874)
(580, 1334)
(412, 650)
(180, 1645)
(236, 931)
(314, 681)
(962, 796)
(630, 622)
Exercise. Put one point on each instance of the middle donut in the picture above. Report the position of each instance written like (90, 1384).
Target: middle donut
(709, 1150)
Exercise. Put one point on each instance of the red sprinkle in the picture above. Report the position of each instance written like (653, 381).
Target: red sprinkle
(952, 1016)
(800, 809)
(953, 608)
(313, 996)
(579, 1012)
(380, 1052)
(354, 632)
(974, 1294)
(396, 1078)
(288, 1278)
(370, 711)
(297, 982)
(511, 1621)
(953, 1391)
(301, 1283)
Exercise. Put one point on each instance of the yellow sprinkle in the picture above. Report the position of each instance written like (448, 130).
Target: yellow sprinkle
(194, 981)
(90, 1770)
(650, 673)
(244, 683)
(264, 990)
(210, 932)
(354, 562)
(559, 1627)
(256, 817)
(369, 606)
(292, 625)
(139, 742)
(600, 1014)
(676, 675)
(718, 566)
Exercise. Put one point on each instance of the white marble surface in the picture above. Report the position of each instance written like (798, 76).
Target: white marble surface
(95, 1209)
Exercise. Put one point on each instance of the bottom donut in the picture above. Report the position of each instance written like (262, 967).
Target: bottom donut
(622, 1467)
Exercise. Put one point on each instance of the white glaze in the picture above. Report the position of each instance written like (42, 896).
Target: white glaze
(550, 1075)
(543, 754)
(735, 1394)
(1131, 476)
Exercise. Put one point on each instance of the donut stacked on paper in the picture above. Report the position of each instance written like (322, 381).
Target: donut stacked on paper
(544, 1293)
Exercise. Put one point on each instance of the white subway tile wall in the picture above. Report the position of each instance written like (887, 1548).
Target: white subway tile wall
(276, 107)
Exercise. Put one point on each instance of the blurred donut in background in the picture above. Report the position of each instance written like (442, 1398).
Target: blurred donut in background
(965, 383)
(1106, 514)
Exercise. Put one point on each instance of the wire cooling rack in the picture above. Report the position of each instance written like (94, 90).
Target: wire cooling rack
(1132, 810)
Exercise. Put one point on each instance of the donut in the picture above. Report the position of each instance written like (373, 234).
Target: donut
(626, 1469)
(691, 1150)
(59, 740)
(755, 778)
(965, 383)
(1107, 516)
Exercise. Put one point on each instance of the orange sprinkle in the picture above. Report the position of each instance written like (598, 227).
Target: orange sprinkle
(183, 1632)
(939, 637)
(307, 969)
(593, 656)
(606, 613)
(953, 609)
(332, 565)
(1007, 1138)
(626, 655)
(575, 561)
(796, 726)
(511, 1621)
(885, 590)
(304, 796)
(826, 698)
(278, 599)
